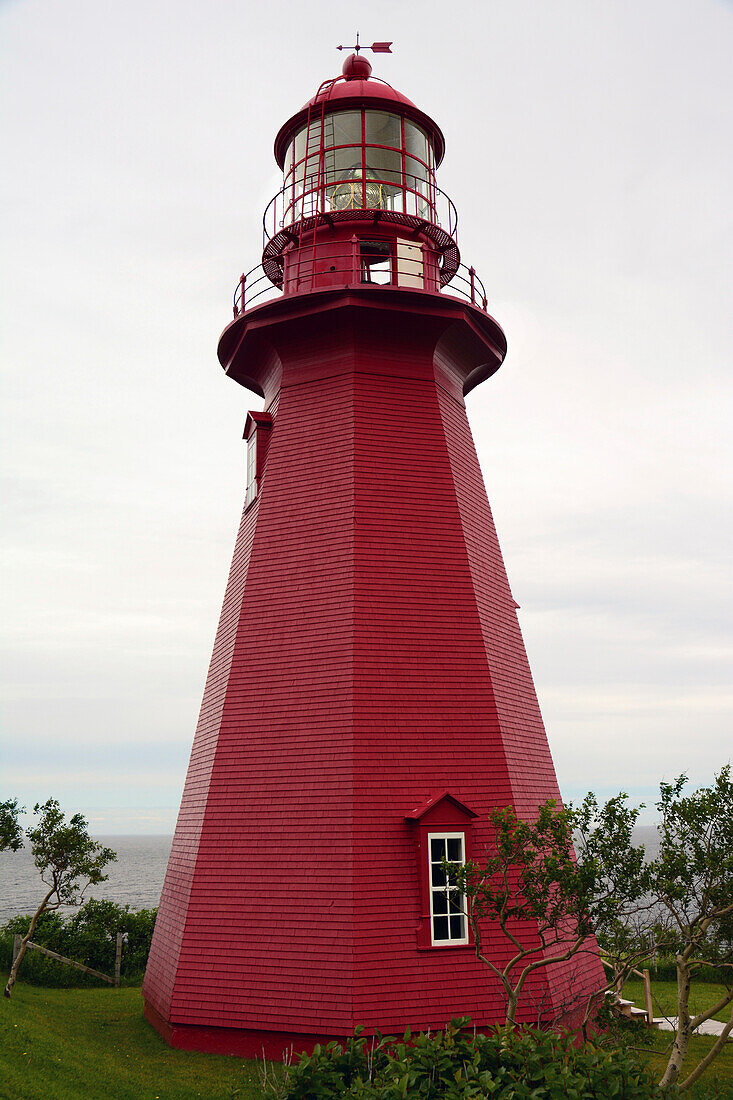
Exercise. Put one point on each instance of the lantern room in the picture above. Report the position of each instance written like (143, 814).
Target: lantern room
(360, 159)
(360, 204)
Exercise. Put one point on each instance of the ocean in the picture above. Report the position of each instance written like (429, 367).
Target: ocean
(135, 879)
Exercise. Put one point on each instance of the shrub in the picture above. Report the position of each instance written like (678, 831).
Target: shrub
(457, 1064)
(88, 936)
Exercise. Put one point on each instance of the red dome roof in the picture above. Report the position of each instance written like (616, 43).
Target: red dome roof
(360, 89)
(345, 92)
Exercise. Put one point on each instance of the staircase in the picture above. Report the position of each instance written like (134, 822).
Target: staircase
(632, 1011)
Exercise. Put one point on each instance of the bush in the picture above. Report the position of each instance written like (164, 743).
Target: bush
(88, 936)
(456, 1064)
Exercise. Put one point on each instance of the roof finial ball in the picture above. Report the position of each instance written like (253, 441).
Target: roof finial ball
(357, 67)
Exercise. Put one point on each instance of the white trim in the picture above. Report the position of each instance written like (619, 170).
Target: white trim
(251, 468)
(449, 941)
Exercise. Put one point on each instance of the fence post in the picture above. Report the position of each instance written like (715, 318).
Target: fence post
(16, 948)
(118, 959)
(648, 998)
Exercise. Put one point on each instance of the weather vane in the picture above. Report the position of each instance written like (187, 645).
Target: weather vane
(376, 47)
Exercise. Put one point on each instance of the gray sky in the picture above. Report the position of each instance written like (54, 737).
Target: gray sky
(589, 155)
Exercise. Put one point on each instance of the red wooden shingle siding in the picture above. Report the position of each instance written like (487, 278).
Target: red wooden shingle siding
(270, 911)
(377, 660)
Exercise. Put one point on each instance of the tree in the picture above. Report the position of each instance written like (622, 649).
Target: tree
(622, 914)
(543, 898)
(681, 901)
(68, 860)
(11, 834)
(692, 881)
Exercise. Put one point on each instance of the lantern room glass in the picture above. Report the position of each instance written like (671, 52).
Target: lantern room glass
(363, 159)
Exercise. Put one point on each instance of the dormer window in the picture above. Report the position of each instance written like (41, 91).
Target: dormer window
(257, 435)
(442, 826)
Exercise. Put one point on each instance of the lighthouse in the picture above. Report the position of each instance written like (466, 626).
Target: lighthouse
(369, 697)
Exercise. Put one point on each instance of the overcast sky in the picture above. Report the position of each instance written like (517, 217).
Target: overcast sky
(589, 154)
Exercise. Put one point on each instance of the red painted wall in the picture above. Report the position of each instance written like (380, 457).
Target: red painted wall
(372, 658)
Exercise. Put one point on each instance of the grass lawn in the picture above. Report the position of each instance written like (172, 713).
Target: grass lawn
(717, 1082)
(62, 1044)
(65, 1044)
(664, 995)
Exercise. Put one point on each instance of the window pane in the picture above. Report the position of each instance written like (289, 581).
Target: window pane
(384, 164)
(343, 128)
(455, 849)
(383, 129)
(300, 144)
(311, 167)
(417, 174)
(440, 902)
(456, 928)
(314, 136)
(438, 877)
(440, 928)
(342, 164)
(437, 849)
(416, 141)
(456, 902)
(347, 195)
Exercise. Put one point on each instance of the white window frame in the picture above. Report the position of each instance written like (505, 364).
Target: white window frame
(450, 941)
(251, 471)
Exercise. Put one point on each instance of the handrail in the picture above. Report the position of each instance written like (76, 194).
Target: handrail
(431, 205)
(343, 271)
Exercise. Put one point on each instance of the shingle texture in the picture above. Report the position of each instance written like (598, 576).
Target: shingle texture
(368, 656)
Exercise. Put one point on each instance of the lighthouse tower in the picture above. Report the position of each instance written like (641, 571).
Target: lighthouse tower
(369, 697)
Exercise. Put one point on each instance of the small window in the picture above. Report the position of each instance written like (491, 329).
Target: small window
(448, 922)
(376, 262)
(251, 469)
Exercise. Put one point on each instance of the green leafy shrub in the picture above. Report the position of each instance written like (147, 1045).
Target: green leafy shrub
(88, 936)
(457, 1064)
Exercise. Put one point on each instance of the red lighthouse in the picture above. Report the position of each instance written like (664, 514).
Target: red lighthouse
(369, 696)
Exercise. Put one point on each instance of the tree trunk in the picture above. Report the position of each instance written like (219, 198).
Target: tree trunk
(711, 1054)
(682, 1037)
(511, 1011)
(24, 943)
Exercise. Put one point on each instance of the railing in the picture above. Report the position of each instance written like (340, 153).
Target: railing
(412, 197)
(305, 271)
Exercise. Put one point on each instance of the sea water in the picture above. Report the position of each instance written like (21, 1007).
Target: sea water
(135, 878)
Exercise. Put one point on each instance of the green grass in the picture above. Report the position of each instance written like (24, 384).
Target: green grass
(717, 1082)
(664, 994)
(65, 1044)
(62, 1044)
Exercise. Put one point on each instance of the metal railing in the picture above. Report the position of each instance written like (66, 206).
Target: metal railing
(411, 198)
(309, 269)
